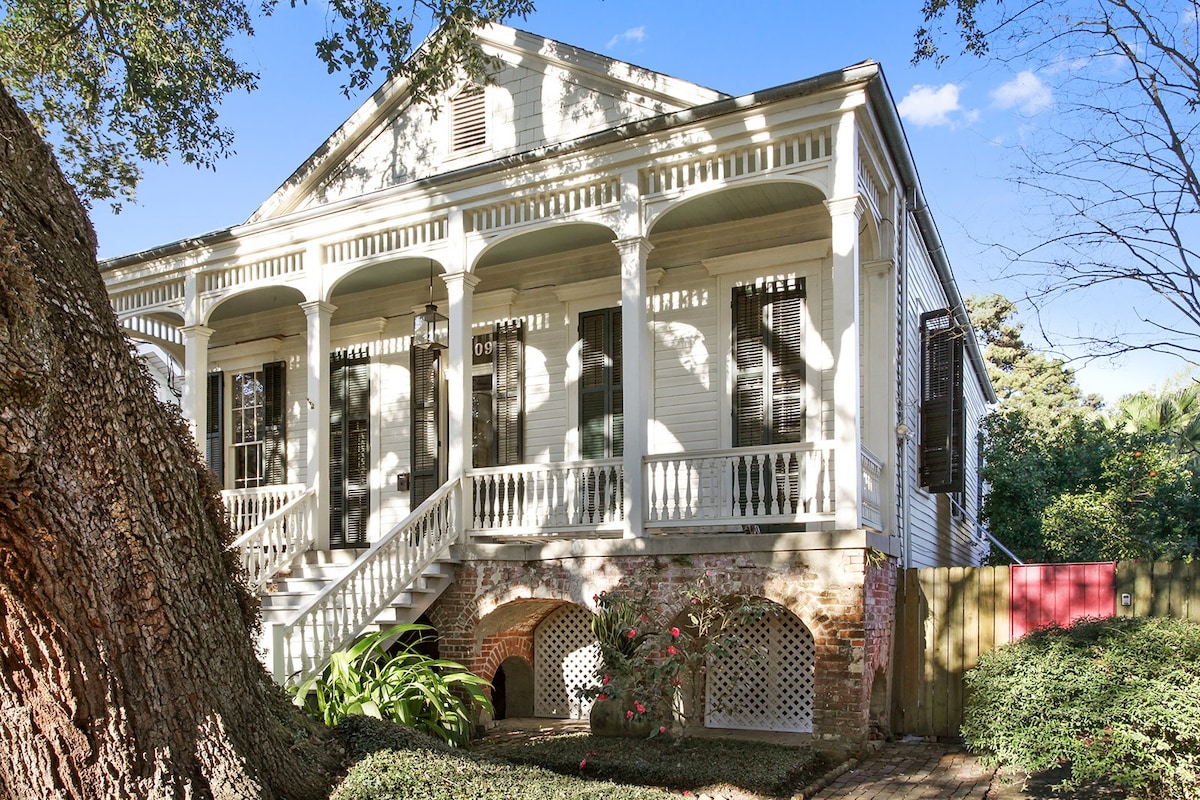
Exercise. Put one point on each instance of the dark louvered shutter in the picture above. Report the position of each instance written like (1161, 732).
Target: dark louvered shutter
(770, 381)
(942, 408)
(214, 425)
(275, 423)
(349, 448)
(601, 418)
(425, 440)
(508, 367)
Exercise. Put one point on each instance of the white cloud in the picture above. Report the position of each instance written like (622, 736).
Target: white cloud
(927, 106)
(1026, 92)
(637, 34)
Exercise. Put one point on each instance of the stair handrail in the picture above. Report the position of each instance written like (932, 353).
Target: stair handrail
(277, 540)
(340, 612)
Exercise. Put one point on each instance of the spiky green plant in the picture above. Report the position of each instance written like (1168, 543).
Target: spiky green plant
(383, 675)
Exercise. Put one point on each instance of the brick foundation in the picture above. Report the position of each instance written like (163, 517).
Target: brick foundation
(845, 597)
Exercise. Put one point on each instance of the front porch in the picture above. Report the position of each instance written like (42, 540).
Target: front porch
(712, 491)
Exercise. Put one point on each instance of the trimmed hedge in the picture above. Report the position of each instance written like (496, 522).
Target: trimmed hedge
(1116, 700)
(399, 763)
(675, 763)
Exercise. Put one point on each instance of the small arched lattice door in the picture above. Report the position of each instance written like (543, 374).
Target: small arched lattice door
(769, 689)
(565, 657)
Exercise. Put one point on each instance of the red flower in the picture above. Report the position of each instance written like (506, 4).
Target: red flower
(606, 679)
(601, 697)
(641, 709)
(628, 715)
(632, 633)
(662, 728)
(671, 650)
(582, 764)
(674, 633)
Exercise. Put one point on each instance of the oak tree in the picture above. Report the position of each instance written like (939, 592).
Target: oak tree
(128, 663)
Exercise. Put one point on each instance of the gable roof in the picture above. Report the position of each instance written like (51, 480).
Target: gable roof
(543, 93)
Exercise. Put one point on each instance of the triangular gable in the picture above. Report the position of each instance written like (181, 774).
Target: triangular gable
(545, 93)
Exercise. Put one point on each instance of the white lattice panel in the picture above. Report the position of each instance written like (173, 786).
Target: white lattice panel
(770, 692)
(565, 658)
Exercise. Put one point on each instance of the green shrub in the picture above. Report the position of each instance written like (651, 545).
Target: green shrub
(362, 736)
(675, 763)
(403, 685)
(425, 775)
(1118, 700)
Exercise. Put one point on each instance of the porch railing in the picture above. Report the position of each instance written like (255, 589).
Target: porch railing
(778, 483)
(247, 508)
(278, 539)
(547, 499)
(339, 613)
(871, 513)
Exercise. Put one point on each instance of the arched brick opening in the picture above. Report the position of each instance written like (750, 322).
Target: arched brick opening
(512, 688)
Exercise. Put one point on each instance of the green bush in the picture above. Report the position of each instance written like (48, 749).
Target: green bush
(428, 775)
(675, 763)
(383, 675)
(1118, 700)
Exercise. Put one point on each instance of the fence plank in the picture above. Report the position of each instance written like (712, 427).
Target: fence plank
(1193, 573)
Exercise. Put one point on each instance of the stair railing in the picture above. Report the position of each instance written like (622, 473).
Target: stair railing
(341, 611)
(273, 543)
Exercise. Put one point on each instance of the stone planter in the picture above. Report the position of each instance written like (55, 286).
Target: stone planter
(608, 718)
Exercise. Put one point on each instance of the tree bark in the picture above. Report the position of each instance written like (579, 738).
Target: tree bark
(129, 668)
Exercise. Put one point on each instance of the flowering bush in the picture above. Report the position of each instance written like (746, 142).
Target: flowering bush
(648, 661)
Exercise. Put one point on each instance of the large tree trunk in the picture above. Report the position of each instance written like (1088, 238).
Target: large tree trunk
(128, 664)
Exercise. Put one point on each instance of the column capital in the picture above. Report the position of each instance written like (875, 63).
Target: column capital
(197, 331)
(843, 206)
(313, 308)
(467, 280)
(634, 245)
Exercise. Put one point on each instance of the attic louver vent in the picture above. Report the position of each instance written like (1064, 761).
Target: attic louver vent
(468, 123)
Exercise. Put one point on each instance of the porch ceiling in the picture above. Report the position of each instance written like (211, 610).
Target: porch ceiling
(267, 298)
(390, 273)
(743, 202)
(546, 241)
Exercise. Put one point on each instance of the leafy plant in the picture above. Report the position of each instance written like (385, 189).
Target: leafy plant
(383, 675)
(1118, 700)
(648, 661)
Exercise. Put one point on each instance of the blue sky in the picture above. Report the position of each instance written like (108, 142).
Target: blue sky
(962, 120)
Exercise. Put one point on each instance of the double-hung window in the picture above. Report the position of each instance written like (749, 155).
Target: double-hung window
(258, 426)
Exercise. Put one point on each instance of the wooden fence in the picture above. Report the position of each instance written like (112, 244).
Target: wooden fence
(947, 617)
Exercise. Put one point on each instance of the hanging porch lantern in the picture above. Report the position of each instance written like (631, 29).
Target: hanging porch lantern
(431, 330)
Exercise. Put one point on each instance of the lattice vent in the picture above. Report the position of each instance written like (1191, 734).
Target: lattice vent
(772, 691)
(565, 657)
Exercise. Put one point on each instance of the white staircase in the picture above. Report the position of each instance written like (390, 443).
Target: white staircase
(315, 603)
(308, 575)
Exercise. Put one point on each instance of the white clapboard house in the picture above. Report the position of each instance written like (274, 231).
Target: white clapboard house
(476, 361)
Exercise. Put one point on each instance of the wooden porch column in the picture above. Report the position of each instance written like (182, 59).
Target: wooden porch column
(318, 315)
(847, 435)
(194, 402)
(460, 291)
(637, 386)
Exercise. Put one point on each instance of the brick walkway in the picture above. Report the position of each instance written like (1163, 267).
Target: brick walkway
(902, 771)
